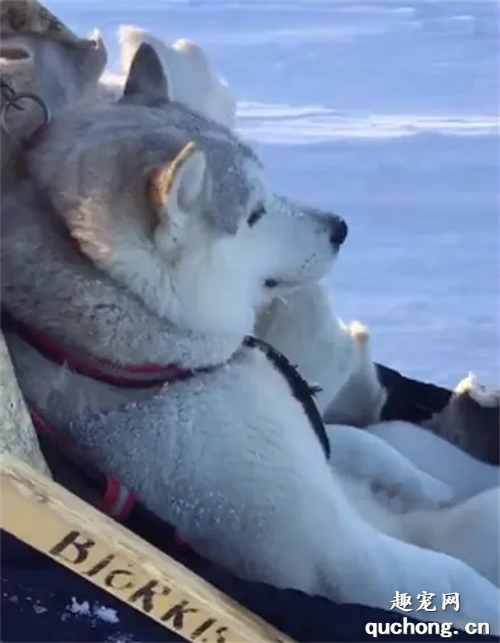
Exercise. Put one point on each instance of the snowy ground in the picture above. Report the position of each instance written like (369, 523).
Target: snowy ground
(386, 112)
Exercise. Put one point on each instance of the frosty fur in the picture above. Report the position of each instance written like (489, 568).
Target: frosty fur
(158, 200)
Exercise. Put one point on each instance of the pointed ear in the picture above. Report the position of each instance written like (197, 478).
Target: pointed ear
(177, 186)
(146, 83)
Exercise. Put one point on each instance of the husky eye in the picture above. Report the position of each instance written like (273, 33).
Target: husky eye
(256, 215)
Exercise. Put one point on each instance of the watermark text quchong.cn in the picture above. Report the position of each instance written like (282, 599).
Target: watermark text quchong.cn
(445, 630)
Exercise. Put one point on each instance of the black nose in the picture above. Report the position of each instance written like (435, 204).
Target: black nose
(338, 231)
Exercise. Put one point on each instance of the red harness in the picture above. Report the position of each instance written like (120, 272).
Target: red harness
(118, 501)
(126, 376)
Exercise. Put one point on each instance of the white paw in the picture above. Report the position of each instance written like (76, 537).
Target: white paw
(432, 493)
(424, 492)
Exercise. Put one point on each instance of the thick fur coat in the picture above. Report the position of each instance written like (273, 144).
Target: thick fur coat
(136, 218)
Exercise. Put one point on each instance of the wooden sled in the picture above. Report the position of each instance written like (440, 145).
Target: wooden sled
(72, 533)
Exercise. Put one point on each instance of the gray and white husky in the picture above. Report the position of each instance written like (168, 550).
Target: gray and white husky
(304, 326)
(146, 235)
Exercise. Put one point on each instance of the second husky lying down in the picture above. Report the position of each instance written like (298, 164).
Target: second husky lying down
(141, 215)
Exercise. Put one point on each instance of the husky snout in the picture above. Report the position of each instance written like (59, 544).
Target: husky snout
(338, 230)
(333, 225)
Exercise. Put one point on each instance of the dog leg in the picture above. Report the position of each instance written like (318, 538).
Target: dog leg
(375, 567)
(469, 531)
(471, 420)
(367, 457)
(358, 563)
(361, 400)
(316, 541)
(439, 458)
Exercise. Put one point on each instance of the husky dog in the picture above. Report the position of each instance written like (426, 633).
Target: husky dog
(333, 355)
(59, 71)
(192, 79)
(304, 327)
(302, 324)
(471, 404)
(146, 234)
(38, 55)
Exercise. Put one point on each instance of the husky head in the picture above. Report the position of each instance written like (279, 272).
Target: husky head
(175, 208)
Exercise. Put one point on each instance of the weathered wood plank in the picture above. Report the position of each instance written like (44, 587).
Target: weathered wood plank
(62, 526)
(17, 435)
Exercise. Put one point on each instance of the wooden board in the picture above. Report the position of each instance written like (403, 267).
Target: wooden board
(57, 523)
(17, 435)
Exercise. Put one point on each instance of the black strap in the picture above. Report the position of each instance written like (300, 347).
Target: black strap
(300, 389)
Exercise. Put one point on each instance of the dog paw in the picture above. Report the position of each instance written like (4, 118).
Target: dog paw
(485, 396)
(359, 332)
(426, 492)
(479, 598)
(414, 492)
(434, 494)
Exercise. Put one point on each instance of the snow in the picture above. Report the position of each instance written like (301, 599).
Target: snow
(386, 112)
(82, 609)
(95, 611)
(106, 614)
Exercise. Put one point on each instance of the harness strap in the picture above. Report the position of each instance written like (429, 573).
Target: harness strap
(299, 388)
(117, 500)
(123, 376)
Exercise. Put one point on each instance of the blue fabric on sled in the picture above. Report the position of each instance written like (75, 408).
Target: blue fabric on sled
(44, 602)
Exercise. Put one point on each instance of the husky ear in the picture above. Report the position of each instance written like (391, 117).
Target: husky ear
(146, 82)
(176, 187)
